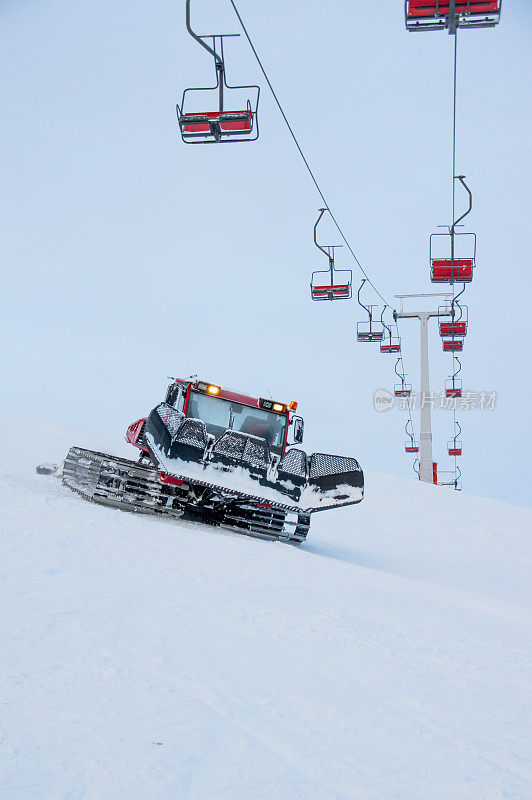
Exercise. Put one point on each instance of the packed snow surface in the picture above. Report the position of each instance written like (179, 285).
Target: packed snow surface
(385, 659)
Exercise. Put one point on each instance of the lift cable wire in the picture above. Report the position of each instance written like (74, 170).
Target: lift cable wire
(311, 173)
(454, 118)
(301, 153)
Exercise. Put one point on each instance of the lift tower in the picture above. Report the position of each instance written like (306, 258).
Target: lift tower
(425, 421)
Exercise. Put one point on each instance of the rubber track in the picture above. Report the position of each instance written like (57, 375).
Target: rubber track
(131, 486)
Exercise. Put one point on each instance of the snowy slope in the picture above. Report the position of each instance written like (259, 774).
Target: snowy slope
(385, 659)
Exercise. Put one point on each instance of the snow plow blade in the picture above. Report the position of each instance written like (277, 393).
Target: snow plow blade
(337, 479)
(241, 465)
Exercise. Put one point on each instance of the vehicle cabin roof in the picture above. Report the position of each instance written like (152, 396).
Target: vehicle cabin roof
(227, 394)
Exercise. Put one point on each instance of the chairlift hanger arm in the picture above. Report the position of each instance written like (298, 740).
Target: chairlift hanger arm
(383, 322)
(454, 301)
(360, 303)
(399, 375)
(214, 54)
(323, 250)
(218, 60)
(466, 187)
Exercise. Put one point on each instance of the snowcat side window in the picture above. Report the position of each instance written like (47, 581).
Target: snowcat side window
(171, 394)
(297, 431)
(180, 404)
(175, 396)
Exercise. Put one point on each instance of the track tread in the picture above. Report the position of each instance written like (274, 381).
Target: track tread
(127, 485)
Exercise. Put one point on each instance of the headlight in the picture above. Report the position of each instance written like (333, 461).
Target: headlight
(270, 405)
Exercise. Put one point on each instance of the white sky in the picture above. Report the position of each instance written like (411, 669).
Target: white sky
(128, 256)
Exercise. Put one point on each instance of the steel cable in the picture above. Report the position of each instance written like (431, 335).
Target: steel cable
(313, 177)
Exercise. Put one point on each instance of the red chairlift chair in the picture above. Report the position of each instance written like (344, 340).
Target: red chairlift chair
(390, 343)
(447, 270)
(411, 446)
(223, 124)
(393, 346)
(330, 284)
(453, 388)
(450, 268)
(453, 345)
(402, 389)
(423, 15)
(369, 331)
(453, 385)
(453, 328)
(369, 335)
(452, 319)
(451, 479)
(454, 447)
(330, 291)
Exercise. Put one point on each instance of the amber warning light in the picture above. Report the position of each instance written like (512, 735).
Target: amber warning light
(209, 388)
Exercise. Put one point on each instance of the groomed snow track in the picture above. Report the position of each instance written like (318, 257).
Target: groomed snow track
(133, 486)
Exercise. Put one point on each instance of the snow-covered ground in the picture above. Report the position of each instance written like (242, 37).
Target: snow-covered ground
(385, 659)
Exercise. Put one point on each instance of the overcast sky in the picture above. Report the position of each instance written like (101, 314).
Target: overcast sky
(128, 256)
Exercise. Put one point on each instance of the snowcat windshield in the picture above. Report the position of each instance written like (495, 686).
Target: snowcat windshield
(219, 415)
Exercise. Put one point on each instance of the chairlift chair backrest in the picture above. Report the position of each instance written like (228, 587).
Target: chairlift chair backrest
(453, 345)
(453, 328)
(456, 270)
(423, 15)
